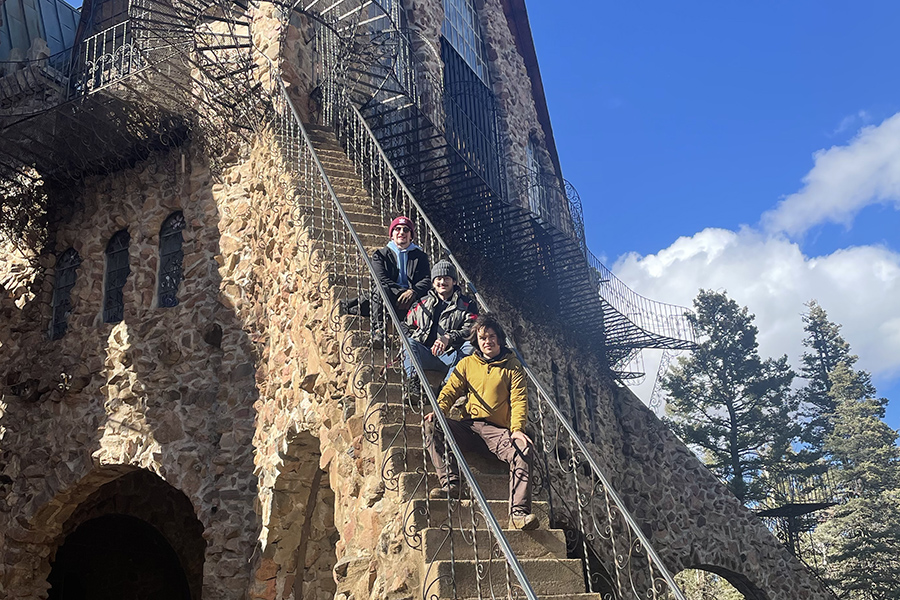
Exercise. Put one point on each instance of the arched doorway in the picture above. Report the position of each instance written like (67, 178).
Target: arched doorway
(714, 583)
(117, 557)
(134, 538)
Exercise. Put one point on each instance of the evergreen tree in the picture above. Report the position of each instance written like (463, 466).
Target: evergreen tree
(826, 349)
(861, 537)
(704, 585)
(727, 401)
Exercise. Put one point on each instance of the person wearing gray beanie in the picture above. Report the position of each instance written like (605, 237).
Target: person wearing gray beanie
(439, 324)
(444, 268)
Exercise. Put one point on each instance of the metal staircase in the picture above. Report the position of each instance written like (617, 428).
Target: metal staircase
(541, 255)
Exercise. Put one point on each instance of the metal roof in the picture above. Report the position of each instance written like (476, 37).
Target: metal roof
(22, 21)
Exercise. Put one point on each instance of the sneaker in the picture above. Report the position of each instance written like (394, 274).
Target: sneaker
(444, 493)
(524, 521)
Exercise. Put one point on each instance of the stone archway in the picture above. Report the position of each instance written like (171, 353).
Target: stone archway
(135, 538)
(299, 533)
(715, 583)
(117, 557)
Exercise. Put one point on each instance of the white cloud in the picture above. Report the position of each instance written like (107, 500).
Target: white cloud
(849, 122)
(857, 286)
(843, 181)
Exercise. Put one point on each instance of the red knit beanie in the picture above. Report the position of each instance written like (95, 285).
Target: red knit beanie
(402, 221)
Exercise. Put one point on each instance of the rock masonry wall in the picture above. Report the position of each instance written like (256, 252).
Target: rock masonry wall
(236, 398)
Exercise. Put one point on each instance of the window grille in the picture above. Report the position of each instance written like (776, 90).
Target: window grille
(171, 259)
(461, 27)
(65, 276)
(471, 117)
(117, 271)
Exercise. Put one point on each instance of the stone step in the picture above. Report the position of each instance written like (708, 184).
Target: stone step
(493, 486)
(434, 513)
(437, 543)
(581, 596)
(555, 576)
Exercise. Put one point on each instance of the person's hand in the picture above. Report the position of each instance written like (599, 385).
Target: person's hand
(440, 345)
(521, 437)
(429, 417)
(405, 300)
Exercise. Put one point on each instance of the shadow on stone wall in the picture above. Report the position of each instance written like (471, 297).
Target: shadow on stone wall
(169, 390)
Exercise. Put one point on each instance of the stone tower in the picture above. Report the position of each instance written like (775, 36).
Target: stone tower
(188, 192)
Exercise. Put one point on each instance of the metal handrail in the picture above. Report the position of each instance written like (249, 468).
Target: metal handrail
(466, 472)
(573, 435)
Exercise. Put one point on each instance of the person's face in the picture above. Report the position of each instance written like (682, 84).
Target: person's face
(443, 286)
(402, 236)
(488, 342)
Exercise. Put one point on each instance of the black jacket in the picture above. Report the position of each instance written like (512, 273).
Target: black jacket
(418, 271)
(455, 320)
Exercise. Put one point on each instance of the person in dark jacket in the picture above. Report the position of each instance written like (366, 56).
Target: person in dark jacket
(402, 268)
(439, 325)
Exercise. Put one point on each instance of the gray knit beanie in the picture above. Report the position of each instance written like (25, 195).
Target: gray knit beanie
(444, 268)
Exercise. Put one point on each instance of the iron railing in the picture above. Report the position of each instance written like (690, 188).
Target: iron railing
(319, 215)
(582, 498)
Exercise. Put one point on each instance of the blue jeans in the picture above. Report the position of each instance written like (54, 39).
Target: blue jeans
(446, 362)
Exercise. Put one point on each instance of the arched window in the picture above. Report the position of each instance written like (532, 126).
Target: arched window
(64, 281)
(117, 271)
(171, 258)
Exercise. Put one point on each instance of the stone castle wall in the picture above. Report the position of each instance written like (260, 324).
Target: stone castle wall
(236, 398)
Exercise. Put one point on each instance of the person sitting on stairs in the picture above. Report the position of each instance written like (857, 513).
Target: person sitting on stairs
(439, 326)
(494, 383)
(402, 268)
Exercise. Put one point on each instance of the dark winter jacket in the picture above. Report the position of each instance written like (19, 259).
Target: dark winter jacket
(455, 320)
(418, 271)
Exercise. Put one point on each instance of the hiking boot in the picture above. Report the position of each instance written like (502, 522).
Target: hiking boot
(445, 493)
(523, 520)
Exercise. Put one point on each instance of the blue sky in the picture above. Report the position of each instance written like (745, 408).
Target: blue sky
(747, 147)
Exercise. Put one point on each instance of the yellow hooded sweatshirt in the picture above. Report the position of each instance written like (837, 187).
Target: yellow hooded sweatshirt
(495, 391)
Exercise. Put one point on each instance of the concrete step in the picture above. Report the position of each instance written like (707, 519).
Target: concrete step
(437, 543)
(435, 513)
(555, 576)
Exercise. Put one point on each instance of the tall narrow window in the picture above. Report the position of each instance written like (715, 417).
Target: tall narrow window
(537, 201)
(117, 271)
(469, 104)
(64, 281)
(573, 405)
(171, 259)
(590, 401)
(462, 30)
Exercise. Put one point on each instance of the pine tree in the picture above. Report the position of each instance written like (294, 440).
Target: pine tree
(826, 350)
(728, 402)
(861, 537)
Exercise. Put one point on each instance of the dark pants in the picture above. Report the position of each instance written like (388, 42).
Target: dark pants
(371, 305)
(486, 439)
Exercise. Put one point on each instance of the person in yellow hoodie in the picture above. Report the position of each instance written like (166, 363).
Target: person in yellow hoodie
(494, 383)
